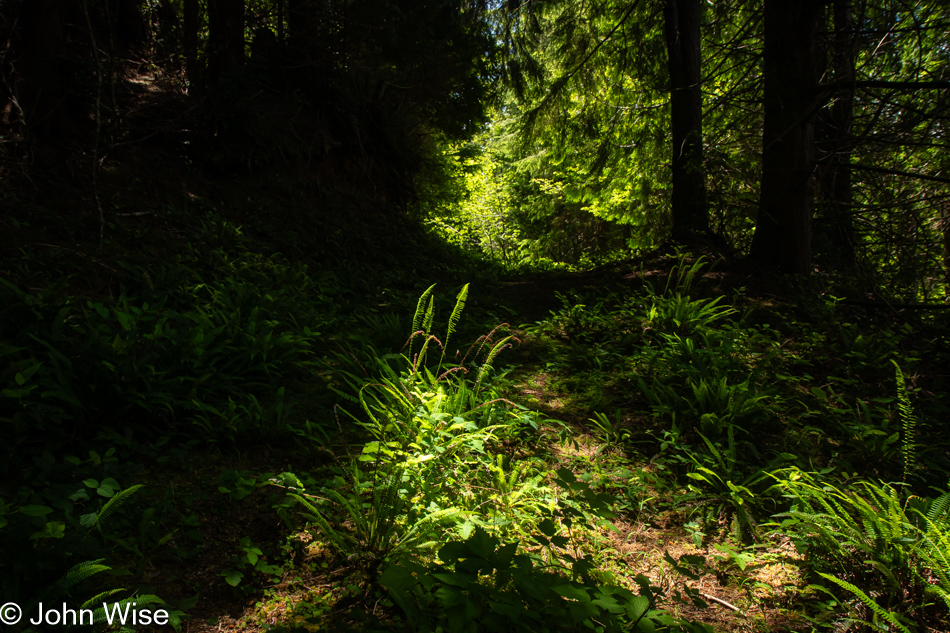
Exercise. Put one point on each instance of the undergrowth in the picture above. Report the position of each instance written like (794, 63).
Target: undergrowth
(759, 432)
(416, 473)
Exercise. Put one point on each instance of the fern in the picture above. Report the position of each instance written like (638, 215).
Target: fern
(939, 508)
(417, 317)
(878, 610)
(133, 603)
(99, 598)
(908, 423)
(74, 576)
(337, 539)
(454, 318)
(934, 548)
(486, 366)
(892, 547)
(429, 317)
(377, 531)
(683, 275)
(113, 504)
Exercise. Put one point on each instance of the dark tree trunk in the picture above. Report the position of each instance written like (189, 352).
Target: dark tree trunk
(225, 37)
(130, 29)
(42, 87)
(782, 237)
(302, 27)
(681, 30)
(835, 134)
(190, 25)
(945, 229)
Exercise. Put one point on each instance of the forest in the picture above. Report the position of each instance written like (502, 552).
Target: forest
(462, 316)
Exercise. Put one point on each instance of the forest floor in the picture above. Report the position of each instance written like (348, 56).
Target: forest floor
(755, 591)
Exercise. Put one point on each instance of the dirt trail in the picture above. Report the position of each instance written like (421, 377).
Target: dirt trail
(738, 600)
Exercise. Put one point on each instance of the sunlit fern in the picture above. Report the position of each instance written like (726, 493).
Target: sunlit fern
(908, 423)
(870, 535)
(370, 531)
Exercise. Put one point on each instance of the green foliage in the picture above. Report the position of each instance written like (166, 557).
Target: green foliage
(209, 351)
(610, 433)
(483, 584)
(24, 567)
(432, 478)
(867, 541)
(721, 487)
(908, 422)
(429, 465)
(251, 558)
(384, 527)
(934, 545)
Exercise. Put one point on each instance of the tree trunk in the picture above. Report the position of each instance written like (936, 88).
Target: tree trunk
(945, 229)
(42, 90)
(130, 30)
(835, 134)
(303, 32)
(682, 34)
(791, 68)
(225, 37)
(190, 25)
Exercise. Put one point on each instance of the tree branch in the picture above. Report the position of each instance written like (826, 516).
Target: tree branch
(833, 86)
(900, 172)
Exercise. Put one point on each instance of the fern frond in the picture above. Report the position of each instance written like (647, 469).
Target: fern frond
(74, 576)
(481, 342)
(938, 508)
(456, 314)
(683, 275)
(417, 317)
(337, 539)
(908, 422)
(419, 360)
(113, 505)
(429, 317)
(101, 597)
(499, 346)
(934, 548)
(878, 610)
(422, 527)
(134, 603)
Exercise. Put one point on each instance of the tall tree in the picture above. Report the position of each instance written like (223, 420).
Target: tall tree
(602, 110)
(42, 47)
(791, 73)
(834, 140)
(191, 24)
(225, 37)
(683, 45)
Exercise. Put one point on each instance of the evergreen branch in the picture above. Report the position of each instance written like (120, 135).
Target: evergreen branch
(554, 90)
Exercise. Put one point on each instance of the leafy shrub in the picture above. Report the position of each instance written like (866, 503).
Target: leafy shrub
(373, 532)
(427, 466)
(207, 352)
